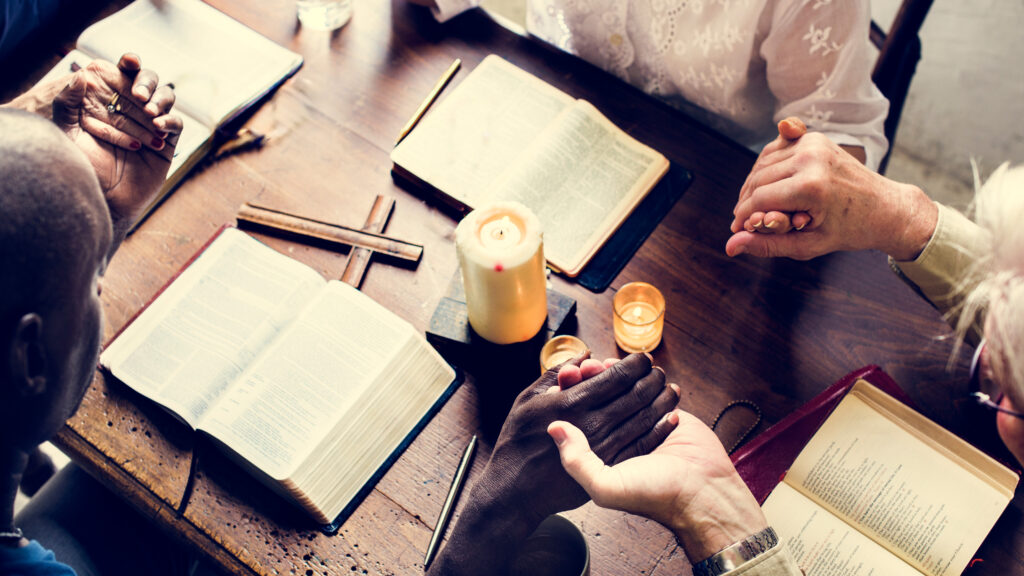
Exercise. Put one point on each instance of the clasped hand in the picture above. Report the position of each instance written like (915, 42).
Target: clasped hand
(129, 140)
(806, 197)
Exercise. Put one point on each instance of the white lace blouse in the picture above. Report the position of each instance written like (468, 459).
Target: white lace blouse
(739, 66)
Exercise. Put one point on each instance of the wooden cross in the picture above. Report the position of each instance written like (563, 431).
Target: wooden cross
(359, 258)
(363, 242)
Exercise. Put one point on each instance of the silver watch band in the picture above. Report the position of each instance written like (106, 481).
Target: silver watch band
(734, 555)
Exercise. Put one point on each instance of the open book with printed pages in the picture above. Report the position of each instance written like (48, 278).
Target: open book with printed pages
(218, 66)
(504, 134)
(880, 489)
(309, 384)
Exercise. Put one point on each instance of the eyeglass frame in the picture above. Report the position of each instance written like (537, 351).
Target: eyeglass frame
(981, 398)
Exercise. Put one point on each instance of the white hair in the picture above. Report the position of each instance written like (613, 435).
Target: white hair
(999, 276)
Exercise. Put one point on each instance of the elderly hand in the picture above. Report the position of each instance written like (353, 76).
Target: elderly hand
(130, 172)
(687, 484)
(850, 207)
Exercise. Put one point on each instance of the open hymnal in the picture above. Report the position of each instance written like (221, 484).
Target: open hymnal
(880, 489)
(504, 134)
(310, 384)
(218, 66)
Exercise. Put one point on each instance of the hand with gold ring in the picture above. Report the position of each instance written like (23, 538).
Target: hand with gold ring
(124, 105)
(100, 108)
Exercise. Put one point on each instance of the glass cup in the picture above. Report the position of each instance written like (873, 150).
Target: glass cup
(560, 349)
(323, 14)
(639, 317)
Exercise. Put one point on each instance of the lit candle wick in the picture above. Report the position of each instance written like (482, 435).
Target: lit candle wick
(637, 312)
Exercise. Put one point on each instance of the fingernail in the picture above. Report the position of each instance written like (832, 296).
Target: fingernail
(649, 357)
(157, 143)
(800, 227)
(758, 224)
(675, 388)
(135, 144)
(557, 434)
(771, 225)
(673, 418)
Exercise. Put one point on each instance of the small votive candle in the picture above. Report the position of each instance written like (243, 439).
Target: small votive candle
(639, 317)
(560, 349)
(501, 252)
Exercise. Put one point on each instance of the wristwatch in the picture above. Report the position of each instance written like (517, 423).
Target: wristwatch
(734, 555)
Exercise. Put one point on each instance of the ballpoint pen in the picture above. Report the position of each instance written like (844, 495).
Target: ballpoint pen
(449, 502)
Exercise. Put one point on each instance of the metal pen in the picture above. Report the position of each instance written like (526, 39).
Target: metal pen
(449, 502)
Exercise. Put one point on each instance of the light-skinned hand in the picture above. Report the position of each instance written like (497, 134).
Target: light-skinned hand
(687, 484)
(129, 176)
(850, 207)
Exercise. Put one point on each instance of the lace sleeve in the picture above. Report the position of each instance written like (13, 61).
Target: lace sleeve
(819, 64)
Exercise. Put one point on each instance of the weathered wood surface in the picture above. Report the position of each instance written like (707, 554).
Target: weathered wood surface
(775, 332)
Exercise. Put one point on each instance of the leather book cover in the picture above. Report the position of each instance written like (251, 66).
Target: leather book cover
(763, 462)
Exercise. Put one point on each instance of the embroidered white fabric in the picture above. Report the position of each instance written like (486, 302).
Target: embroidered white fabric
(739, 66)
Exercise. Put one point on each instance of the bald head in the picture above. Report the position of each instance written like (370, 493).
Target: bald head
(52, 213)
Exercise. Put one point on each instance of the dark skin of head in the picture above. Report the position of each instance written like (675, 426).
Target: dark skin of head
(55, 237)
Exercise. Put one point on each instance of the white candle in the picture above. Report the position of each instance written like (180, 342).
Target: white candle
(501, 252)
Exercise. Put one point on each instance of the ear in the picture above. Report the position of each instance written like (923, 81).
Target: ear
(28, 357)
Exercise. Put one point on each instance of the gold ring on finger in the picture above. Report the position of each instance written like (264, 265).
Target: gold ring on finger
(112, 104)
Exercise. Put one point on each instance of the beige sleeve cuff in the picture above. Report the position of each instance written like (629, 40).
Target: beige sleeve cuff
(776, 562)
(941, 270)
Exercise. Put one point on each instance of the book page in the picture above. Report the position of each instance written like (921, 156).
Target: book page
(218, 66)
(897, 489)
(470, 136)
(210, 323)
(284, 405)
(582, 177)
(824, 545)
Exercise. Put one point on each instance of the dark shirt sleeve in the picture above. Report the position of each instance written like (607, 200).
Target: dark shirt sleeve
(19, 19)
(31, 560)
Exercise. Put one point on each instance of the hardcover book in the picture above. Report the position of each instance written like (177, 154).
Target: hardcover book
(309, 384)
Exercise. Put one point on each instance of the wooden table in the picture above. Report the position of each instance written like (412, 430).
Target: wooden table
(775, 332)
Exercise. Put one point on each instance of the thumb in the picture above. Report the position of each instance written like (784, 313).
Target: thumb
(792, 128)
(798, 246)
(67, 106)
(578, 459)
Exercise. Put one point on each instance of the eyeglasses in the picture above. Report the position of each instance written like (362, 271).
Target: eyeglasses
(984, 388)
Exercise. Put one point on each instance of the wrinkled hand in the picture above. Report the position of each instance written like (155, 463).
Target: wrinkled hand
(687, 484)
(621, 410)
(850, 207)
(130, 172)
(774, 222)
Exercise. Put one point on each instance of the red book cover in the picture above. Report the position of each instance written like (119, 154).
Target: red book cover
(764, 461)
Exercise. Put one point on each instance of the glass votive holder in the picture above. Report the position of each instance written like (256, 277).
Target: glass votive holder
(560, 349)
(639, 317)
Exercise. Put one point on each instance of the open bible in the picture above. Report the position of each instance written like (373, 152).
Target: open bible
(880, 489)
(218, 66)
(504, 134)
(310, 384)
